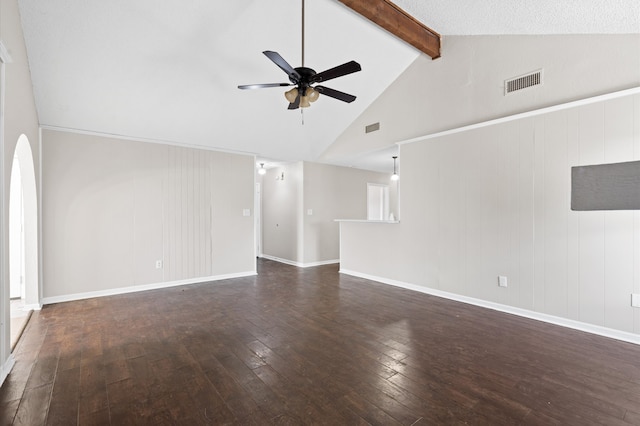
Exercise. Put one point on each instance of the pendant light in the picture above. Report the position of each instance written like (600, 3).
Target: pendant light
(262, 170)
(394, 176)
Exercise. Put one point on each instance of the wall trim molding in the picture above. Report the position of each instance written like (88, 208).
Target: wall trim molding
(33, 307)
(5, 315)
(143, 287)
(6, 368)
(299, 264)
(5, 57)
(144, 140)
(551, 319)
(528, 114)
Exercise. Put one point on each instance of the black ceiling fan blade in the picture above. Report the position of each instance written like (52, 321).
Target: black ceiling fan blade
(262, 86)
(295, 104)
(339, 71)
(284, 65)
(336, 94)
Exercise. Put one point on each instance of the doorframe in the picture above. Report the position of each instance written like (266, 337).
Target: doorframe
(24, 156)
(384, 199)
(6, 358)
(16, 232)
(257, 210)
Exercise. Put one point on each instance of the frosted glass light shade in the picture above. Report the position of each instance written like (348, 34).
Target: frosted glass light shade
(312, 94)
(291, 95)
(394, 176)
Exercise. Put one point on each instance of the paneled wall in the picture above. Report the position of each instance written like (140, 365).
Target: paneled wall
(113, 208)
(495, 200)
(206, 233)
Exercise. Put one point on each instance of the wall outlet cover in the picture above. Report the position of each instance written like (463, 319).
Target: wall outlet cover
(502, 281)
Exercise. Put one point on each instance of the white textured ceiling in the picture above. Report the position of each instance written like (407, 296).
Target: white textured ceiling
(499, 17)
(168, 70)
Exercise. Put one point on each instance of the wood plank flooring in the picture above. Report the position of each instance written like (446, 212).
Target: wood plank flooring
(309, 346)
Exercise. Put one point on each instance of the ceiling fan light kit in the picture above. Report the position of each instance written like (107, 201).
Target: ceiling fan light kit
(303, 78)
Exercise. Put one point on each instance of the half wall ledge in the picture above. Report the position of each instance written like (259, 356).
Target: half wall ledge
(367, 221)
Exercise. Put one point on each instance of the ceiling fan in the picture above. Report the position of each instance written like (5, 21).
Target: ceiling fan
(304, 78)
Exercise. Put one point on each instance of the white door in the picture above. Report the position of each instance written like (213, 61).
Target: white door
(377, 201)
(258, 218)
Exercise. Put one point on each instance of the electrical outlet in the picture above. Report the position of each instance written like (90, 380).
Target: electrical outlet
(246, 212)
(309, 212)
(502, 281)
(158, 264)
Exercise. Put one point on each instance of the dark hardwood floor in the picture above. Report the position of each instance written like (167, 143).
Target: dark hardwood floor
(309, 346)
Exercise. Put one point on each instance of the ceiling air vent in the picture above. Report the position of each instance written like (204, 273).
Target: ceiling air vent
(372, 127)
(522, 82)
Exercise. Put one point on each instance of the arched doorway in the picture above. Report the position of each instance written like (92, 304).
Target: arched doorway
(23, 238)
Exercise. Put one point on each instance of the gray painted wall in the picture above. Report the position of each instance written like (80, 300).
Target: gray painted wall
(496, 201)
(466, 85)
(333, 192)
(281, 207)
(330, 192)
(114, 207)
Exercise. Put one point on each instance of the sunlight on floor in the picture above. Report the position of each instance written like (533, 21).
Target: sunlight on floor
(19, 319)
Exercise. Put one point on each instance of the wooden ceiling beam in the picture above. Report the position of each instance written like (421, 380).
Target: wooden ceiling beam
(399, 23)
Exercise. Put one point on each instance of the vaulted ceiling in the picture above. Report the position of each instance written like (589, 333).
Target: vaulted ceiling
(168, 71)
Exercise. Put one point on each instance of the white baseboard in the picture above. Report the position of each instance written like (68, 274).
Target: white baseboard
(299, 264)
(32, 307)
(144, 287)
(6, 368)
(565, 322)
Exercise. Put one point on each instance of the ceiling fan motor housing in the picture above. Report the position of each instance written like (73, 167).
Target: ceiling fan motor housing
(306, 76)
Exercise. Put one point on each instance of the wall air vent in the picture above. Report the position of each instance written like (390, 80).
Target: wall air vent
(523, 82)
(372, 127)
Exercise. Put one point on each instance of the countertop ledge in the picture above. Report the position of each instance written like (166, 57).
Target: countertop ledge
(367, 221)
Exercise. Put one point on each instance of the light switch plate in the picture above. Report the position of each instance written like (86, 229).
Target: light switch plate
(635, 300)
(246, 212)
(309, 212)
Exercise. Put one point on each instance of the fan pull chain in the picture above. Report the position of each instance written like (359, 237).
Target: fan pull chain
(302, 115)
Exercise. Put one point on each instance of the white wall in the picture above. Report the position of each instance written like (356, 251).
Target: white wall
(496, 201)
(114, 207)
